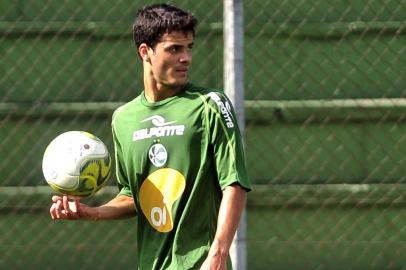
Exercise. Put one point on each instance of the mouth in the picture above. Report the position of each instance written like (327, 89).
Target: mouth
(182, 71)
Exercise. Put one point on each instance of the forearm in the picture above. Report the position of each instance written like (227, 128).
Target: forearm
(119, 207)
(231, 208)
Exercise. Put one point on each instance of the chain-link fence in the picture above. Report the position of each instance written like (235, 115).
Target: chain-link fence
(325, 126)
(325, 106)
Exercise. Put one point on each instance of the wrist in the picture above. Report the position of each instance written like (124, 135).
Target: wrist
(91, 213)
(219, 248)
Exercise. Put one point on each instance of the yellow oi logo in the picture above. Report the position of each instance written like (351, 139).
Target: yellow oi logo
(158, 192)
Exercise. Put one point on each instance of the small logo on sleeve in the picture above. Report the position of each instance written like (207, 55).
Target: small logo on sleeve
(224, 108)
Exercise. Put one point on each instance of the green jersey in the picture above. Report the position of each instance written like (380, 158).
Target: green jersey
(174, 157)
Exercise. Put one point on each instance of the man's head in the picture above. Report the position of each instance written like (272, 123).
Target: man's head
(153, 21)
(164, 37)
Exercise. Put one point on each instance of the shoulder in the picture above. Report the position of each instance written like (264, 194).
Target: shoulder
(207, 95)
(125, 109)
(217, 105)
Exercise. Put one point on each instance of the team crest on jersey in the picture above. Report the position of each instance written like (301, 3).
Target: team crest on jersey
(160, 128)
(158, 155)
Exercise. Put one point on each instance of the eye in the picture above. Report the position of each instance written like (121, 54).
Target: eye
(175, 49)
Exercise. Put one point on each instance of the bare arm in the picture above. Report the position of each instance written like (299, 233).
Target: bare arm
(119, 207)
(231, 207)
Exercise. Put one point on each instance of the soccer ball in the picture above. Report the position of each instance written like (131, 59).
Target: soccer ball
(76, 163)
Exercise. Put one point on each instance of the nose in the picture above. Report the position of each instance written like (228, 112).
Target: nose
(186, 57)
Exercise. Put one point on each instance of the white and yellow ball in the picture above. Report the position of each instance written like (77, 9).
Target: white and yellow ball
(76, 163)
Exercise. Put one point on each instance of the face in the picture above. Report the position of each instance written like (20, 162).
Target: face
(171, 58)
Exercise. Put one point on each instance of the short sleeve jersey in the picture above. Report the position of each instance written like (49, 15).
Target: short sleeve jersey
(174, 157)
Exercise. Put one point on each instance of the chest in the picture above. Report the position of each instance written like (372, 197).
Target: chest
(169, 136)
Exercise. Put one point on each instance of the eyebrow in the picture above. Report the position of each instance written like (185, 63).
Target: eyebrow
(179, 45)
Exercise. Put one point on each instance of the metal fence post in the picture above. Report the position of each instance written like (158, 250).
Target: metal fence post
(234, 88)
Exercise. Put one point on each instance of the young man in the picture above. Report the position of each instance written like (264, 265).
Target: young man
(179, 156)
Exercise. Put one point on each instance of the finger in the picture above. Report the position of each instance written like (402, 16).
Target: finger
(79, 207)
(51, 211)
(76, 201)
(74, 206)
(58, 209)
(65, 202)
(55, 198)
(72, 211)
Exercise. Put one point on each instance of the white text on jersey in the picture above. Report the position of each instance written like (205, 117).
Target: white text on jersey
(224, 108)
(161, 129)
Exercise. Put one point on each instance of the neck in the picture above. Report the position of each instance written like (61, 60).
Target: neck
(155, 91)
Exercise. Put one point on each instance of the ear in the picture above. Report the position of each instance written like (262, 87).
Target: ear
(143, 51)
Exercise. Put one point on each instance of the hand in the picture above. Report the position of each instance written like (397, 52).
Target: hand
(216, 260)
(214, 263)
(64, 208)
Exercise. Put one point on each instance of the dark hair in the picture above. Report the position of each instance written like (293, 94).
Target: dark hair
(153, 21)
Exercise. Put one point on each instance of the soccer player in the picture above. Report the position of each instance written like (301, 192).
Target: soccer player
(180, 161)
